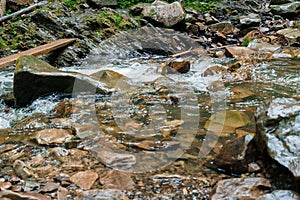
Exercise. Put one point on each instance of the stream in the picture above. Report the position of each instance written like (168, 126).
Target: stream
(136, 118)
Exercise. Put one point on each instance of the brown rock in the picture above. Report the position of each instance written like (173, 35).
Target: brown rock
(112, 159)
(117, 180)
(85, 179)
(240, 188)
(238, 51)
(235, 155)
(53, 136)
(179, 66)
(22, 170)
(2, 7)
(5, 185)
(62, 193)
(222, 27)
(50, 187)
(22, 195)
(214, 70)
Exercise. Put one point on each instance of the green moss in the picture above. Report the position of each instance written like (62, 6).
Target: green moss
(107, 23)
(246, 41)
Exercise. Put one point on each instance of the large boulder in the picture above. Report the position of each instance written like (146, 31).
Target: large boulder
(164, 14)
(34, 78)
(278, 132)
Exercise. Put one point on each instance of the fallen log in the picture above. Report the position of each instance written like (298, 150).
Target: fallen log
(10, 60)
(22, 11)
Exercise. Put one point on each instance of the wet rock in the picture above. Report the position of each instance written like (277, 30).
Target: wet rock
(235, 155)
(226, 122)
(250, 20)
(85, 180)
(34, 78)
(62, 193)
(163, 13)
(222, 27)
(241, 91)
(102, 3)
(106, 194)
(238, 51)
(278, 132)
(214, 70)
(280, 194)
(240, 188)
(117, 180)
(146, 40)
(112, 159)
(23, 195)
(285, 9)
(112, 79)
(53, 136)
(177, 67)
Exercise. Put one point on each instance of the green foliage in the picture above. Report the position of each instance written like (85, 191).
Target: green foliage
(72, 4)
(246, 41)
(204, 5)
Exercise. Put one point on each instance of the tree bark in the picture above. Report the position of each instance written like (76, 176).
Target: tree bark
(2, 7)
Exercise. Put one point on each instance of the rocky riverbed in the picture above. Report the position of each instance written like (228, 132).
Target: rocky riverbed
(156, 101)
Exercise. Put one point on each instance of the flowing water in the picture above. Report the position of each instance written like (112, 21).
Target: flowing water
(151, 102)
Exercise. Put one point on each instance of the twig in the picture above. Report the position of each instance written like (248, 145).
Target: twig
(22, 11)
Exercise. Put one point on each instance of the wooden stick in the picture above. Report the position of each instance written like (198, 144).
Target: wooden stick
(22, 11)
(9, 60)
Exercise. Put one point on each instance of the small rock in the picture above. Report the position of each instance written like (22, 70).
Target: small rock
(50, 187)
(253, 167)
(222, 27)
(107, 194)
(250, 20)
(53, 136)
(62, 193)
(117, 180)
(240, 188)
(22, 170)
(5, 185)
(214, 70)
(112, 159)
(238, 51)
(85, 179)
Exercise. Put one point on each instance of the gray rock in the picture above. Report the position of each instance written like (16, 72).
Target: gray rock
(107, 194)
(280, 194)
(278, 132)
(34, 78)
(163, 13)
(278, 2)
(102, 3)
(251, 19)
(240, 188)
(146, 40)
(288, 8)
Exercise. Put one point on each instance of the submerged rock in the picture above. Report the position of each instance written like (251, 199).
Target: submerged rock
(34, 78)
(114, 179)
(278, 132)
(240, 188)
